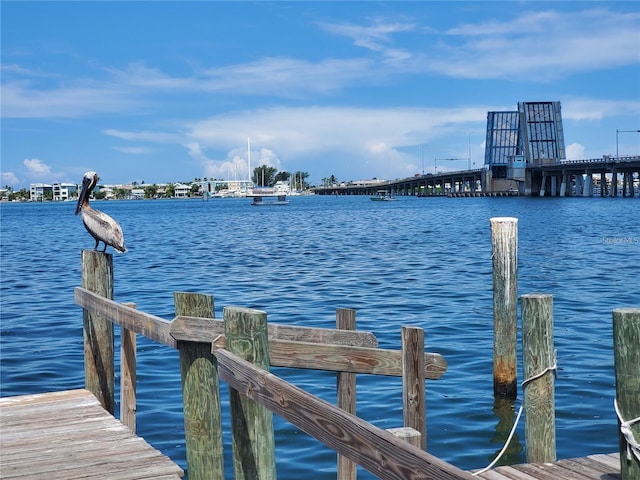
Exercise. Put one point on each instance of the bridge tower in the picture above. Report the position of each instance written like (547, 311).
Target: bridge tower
(531, 136)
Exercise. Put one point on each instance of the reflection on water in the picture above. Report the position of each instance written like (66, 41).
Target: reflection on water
(505, 411)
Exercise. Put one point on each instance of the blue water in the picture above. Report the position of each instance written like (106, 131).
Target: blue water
(424, 262)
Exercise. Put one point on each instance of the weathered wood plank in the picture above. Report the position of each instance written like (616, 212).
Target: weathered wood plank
(594, 467)
(340, 358)
(152, 327)
(128, 376)
(196, 329)
(200, 395)
(374, 449)
(346, 391)
(68, 435)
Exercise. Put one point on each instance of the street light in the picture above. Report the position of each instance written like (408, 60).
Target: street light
(622, 131)
(470, 149)
(422, 150)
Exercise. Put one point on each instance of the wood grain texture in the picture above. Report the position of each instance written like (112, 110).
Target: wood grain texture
(504, 254)
(251, 423)
(414, 404)
(626, 345)
(375, 449)
(537, 356)
(128, 376)
(346, 391)
(68, 435)
(200, 395)
(152, 327)
(99, 366)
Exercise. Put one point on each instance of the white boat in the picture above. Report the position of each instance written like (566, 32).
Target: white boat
(264, 196)
(382, 196)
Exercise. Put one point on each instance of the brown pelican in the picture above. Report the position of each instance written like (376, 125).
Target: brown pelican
(100, 225)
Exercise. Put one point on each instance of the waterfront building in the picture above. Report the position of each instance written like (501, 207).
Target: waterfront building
(38, 192)
(64, 191)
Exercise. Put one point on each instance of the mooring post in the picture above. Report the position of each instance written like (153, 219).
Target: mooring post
(128, 376)
(626, 346)
(538, 368)
(97, 277)
(251, 423)
(200, 395)
(346, 387)
(504, 253)
(414, 409)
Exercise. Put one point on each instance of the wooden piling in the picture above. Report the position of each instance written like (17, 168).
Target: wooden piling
(504, 248)
(200, 395)
(346, 391)
(626, 346)
(413, 388)
(251, 423)
(128, 376)
(97, 276)
(538, 367)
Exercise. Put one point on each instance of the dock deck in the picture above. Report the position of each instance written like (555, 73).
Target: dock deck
(67, 435)
(593, 467)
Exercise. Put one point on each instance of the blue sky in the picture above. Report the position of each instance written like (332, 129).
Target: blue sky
(170, 91)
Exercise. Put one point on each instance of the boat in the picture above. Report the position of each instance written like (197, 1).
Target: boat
(268, 197)
(382, 196)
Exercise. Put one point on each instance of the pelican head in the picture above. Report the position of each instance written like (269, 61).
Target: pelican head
(89, 182)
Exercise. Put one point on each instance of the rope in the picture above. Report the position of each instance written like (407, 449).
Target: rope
(633, 447)
(553, 368)
(504, 449)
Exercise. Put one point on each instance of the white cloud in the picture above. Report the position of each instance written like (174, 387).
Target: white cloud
(582, 109)
(539, 46)
(575, 151)
(133, 150)
(9, 178)
(37, 167)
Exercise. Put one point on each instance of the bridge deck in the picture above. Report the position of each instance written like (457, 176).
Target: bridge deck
(67, 435)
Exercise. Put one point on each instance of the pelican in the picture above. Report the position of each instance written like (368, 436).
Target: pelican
(101, 226)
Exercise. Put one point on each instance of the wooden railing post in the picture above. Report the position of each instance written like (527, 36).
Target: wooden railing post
(346, 388)
(200, 395)
(538, 368)
(504, 252)
(251, 423)
(97, 276)
(414, 410)
(626, 346)
(128, 376)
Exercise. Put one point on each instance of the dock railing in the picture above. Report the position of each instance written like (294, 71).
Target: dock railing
(239, 350)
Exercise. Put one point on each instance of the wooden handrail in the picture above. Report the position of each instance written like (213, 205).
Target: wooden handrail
(152, 327)
(347, 434)
(285, 351)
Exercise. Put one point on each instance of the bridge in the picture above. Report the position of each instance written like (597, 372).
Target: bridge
(608, 176)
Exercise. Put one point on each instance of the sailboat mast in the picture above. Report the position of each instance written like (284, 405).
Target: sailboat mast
(249, 158)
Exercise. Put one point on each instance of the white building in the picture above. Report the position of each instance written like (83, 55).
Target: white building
(38, 191)
(64, 191)
(181, 190)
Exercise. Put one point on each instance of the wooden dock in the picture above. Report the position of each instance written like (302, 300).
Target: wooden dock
(67, 435)
(593, 467)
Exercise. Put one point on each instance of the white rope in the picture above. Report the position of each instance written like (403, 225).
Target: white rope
(553, 368)
(633, 447)
(504, 449)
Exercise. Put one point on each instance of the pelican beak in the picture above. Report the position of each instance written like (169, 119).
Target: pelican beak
(84, 192)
